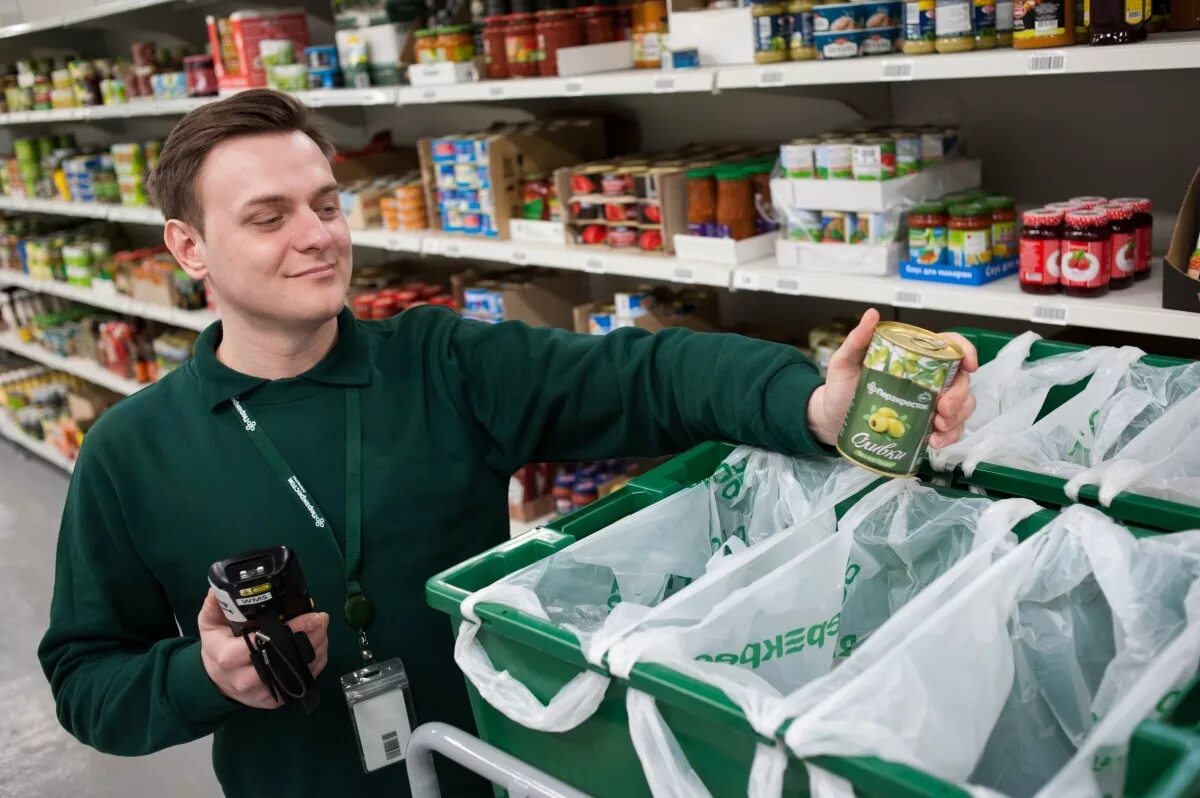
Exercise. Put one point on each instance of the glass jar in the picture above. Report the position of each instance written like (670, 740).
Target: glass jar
(1143, 224)
(919, 29)
(1117, 21)
(1123, 262)
(426, 46)
(760, 187)
(735, 203)
(1086, 253)
(969, 237)
(985, 24)
(702, 202)
(1004, 23)
(927, 237)
(456, 43)
(555, 30)
(599, 24)
(1041, 243)
(494, 47)
(954, 26)
(800, 30)
(623, 19)
(1003, 212)
(649, 28)
(520, 46)
(770, 39)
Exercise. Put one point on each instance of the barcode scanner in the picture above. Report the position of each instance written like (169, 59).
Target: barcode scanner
(259, 591)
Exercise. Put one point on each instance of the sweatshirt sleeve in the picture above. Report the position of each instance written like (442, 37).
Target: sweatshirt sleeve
(546, 395)
(124, 680)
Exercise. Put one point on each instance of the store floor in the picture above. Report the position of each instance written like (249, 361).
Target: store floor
(37, 758)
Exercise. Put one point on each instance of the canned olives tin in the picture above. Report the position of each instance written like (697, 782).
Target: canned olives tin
(887, 427)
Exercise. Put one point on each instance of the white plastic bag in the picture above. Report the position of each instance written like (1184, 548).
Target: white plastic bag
(601, 587)
(785, 629)
(997, 681)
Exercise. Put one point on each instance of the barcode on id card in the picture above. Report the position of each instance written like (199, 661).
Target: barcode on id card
(1047, 62)
(391, 745)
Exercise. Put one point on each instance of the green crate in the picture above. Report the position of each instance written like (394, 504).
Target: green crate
(1129, 507)
(598, 756)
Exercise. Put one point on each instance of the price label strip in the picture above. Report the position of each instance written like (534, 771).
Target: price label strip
(495, 91)
(1049, 313)
(683, 275)
(908, 298)
(747, 280)
(771, 77)
(593, 266)
(897, 70)
(573, 88)
(1049, 62)
(663, 85)
(518, 257)
(788, 285)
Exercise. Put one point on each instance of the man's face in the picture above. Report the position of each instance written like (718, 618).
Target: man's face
(276, 245)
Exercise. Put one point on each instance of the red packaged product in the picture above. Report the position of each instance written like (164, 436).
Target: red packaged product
(1086, 253)
(1124, 244)
(235, 42)
(1143, 223)
(1041, 242)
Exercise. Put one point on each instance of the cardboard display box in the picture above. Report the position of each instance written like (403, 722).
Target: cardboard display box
(1181, 292)
(651, 312)
(538, 297)
(235, 44)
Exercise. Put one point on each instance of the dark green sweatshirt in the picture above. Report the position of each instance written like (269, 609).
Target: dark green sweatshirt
(169, 482)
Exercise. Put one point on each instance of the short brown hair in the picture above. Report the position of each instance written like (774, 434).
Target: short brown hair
(172, 183)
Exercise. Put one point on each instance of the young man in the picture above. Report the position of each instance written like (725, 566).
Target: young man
(173, 479)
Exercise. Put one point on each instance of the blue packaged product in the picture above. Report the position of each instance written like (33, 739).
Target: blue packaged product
(687, 58)
(321, 56)
(324, 78)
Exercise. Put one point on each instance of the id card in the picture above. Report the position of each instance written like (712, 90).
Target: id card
(381, 710)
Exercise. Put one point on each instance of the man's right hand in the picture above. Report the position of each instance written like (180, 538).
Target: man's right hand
(227, 659)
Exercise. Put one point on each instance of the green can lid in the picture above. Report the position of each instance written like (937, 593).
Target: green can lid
(697, 174)
(731, 171)
(425, 33)
(1000, 202)
(929, 208)
(458, 29)
(968, 209)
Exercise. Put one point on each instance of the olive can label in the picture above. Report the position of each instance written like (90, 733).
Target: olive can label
(890, 418)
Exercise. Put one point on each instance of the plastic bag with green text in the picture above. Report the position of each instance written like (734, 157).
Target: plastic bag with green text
(600, 587)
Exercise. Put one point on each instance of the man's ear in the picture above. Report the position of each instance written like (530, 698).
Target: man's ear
(187, 245)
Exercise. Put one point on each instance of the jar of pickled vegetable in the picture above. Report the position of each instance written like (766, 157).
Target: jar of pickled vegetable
(1003, 212)
(702, 201)
(456, 43)
(927, 234)
(426, 46)
(954, 24)
(970, 235)
(735, 203)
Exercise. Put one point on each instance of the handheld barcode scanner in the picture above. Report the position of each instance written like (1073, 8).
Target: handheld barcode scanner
(259, 591)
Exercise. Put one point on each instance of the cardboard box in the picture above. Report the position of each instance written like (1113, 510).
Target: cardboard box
(670, 189)
(705, 315)
(538, 297)
(1181, 292)
(235, 40)
(589, 59)
(498, 160)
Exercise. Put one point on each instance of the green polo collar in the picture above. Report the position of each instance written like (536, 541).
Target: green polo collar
(346, 364)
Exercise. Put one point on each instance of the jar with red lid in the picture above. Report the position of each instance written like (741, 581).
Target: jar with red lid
(555, 30)
(1041, 242)
(624, 22)
(599, 24)
(383, 307)
(361, 305)
(1124, 244)
(520, 46)
(1143, 224)
(404, 298)
(1088, 202)
(1086, 253)
(495, 54)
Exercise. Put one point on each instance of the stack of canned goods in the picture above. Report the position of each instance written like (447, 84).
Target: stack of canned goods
(880, 154)
(841, 227)
(783, 31)
(463, 177)
(848, 30)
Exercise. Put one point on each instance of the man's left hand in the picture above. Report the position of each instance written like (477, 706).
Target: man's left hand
(829, 403)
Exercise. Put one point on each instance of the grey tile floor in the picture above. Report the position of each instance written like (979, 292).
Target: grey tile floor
(37, 758)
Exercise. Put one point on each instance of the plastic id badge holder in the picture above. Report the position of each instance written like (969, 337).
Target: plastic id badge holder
(381, 710)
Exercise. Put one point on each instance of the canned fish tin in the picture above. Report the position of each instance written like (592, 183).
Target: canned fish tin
(887, 427)
(874, 159)
(833, 160)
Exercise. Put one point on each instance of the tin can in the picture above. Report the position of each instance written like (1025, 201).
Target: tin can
(874, 159)
(833, 160)
(906, 369)
(908, 152)
(933, 147)
(874, 228)
(276, 52)
(796, 159)
(804, 225)
(837, 227)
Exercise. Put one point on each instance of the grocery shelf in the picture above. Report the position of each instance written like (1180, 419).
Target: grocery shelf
(98, 11)
(91, 210)
(10, 431)
(1164, 51)
(88, 370)
(118, 303)
(637, 81)
(1135, 309)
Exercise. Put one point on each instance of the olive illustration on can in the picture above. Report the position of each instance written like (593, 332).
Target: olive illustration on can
(905, 370)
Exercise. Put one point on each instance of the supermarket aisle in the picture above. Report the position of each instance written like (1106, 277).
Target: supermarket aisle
(37, 758)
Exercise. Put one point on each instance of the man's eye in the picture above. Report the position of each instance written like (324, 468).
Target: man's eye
(270, 221)
(329, 210)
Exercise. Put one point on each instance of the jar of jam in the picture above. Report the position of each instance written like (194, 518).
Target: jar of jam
(1088, 202)
(1124, 244)
(555, 30)
(927, 234)
(969, 235)
(1117, 21)
(494, 47)
(1086, 253)
(1041, 242)
(520, 46)
(702, 201)
(1004, 227)
(456, 43)
(1143, 224)
(599, 24)
(735, 203)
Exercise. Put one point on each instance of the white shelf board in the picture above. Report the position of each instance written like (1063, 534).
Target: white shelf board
(97, 11)
(1135, 309)
(382, 239)
(118, 303)
(1163, 51)
(637, 81)
(90, 210)
(84, 369)
(9, 430)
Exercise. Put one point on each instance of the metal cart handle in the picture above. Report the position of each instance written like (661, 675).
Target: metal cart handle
(521, 780)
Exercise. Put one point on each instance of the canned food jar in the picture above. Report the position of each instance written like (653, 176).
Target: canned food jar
(919, 30)
(908, 152)
(906, 369)
(874, 159)
(1143, 223)
(834, 160)
(803, 225)
(837, 227)
(800, 30)
(796, 159)
(927, 234)
(494, 55)
(1040, 249)
(770, 33)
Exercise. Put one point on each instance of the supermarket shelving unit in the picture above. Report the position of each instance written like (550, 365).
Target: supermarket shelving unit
(1057, 91)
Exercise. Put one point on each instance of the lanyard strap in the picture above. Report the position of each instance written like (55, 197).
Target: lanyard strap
(358, 610)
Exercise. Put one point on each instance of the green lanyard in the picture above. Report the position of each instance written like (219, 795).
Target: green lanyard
(358, 610)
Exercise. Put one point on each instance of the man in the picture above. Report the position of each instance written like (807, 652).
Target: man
(173, 479)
